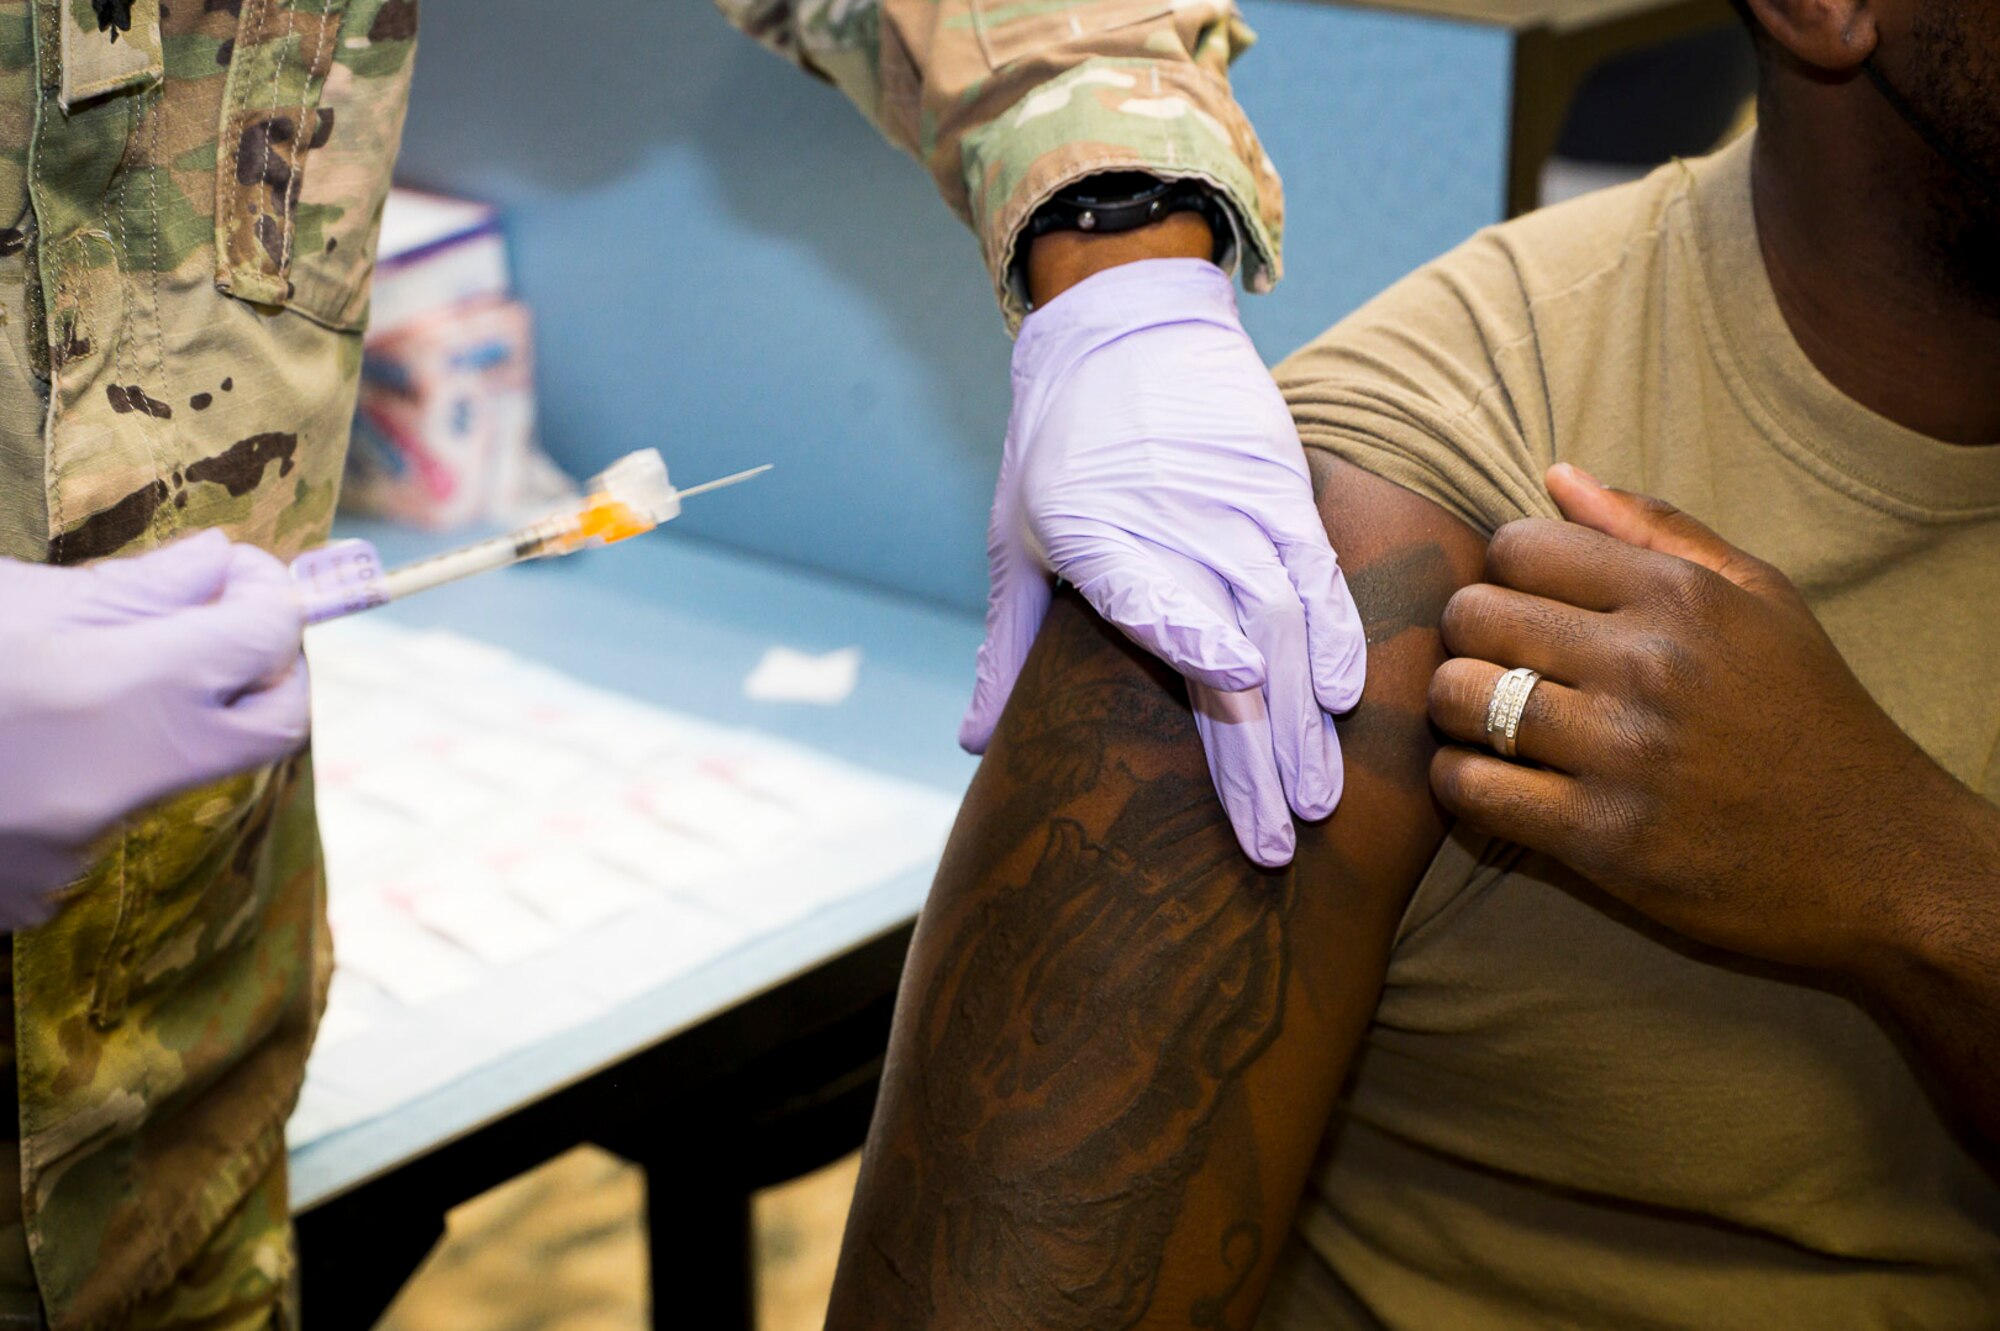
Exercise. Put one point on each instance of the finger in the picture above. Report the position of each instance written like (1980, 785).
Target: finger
(1301, 734)
(1336, 642)
(269, 723)
(1564, 562)
(32, 870)
(253, 633)
(1552, 723)
(1130, 586)
(1519, 629)
(1529, 806)
(1016, 604)
(1650, 524)
(1253, 758)
(1235, 729)
(187, 573)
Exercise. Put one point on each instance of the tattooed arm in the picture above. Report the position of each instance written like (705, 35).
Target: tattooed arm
(1118, 1041)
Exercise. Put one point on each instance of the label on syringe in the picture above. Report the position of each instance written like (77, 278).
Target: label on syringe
(338, 579)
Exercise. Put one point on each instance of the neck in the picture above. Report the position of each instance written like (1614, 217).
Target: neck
(1879, 261)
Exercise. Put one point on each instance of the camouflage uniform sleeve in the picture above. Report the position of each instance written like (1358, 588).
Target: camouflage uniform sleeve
(1007, 101)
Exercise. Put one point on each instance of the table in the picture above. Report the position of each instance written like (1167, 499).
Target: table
(752, 1069)
(1556, 43)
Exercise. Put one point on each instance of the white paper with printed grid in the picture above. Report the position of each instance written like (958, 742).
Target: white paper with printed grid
(511, 853)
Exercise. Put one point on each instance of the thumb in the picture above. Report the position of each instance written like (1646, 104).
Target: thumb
(252, 634)
(1651, 524)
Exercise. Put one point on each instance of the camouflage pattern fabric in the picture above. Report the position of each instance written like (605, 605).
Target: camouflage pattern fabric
(189, 196)
(1007, 101)
(244, 1276)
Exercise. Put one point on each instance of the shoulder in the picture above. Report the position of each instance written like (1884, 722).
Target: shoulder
(1443, 383)
(1496, 291)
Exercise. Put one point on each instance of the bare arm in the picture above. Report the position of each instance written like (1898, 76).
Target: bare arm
(1118, 1041)
(1943, 985)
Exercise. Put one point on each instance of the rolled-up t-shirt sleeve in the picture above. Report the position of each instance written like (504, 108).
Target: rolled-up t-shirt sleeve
(1435, 386)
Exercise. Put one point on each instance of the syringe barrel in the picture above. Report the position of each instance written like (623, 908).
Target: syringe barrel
(455, 564)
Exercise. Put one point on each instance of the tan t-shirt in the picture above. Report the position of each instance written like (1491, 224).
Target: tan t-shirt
(1563, 1116)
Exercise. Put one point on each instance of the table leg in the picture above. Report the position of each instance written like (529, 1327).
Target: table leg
(357, 1253)
(699, 1242)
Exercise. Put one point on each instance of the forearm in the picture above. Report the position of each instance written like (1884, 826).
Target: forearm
(1061, 259)
(1939, 972)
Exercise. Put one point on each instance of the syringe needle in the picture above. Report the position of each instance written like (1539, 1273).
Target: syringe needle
(630, 497)
(736, 479)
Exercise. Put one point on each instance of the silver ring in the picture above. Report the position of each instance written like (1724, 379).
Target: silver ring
(1503, 711)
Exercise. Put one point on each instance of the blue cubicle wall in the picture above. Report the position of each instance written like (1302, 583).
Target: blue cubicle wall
(725, 261)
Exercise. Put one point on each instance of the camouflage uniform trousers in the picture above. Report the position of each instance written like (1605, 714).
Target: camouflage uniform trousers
(243, 1279)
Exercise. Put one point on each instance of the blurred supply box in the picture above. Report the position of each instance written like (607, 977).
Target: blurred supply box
(444, 432)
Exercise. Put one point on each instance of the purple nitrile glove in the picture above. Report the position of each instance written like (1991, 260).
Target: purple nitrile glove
(1152, 464)
(126, 681)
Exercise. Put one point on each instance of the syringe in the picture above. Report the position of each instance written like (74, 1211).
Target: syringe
(627, 499)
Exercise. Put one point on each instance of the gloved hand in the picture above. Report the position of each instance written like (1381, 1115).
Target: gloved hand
(126, 681)
(1152, 464)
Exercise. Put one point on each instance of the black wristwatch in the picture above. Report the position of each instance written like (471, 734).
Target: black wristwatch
(1125, 201)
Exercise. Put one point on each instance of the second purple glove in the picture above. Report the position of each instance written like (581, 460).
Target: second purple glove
(128, 680)
(1152, 464)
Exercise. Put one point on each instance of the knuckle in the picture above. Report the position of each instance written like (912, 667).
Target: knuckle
(1640, 739)
(1658, 665)
(1451, 690)
(1508, 547)
(1468, 614)
(1508, 806)
(1690, 591)
(1449, 780)
(1611, 826)
(1656, 507)
(1519, 544)
(1768, 580)
(1476, 791)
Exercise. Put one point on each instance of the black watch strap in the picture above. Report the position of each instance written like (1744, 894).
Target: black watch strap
(1125, 201)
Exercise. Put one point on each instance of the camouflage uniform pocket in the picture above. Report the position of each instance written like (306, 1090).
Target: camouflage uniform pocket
(311, 121)
(109, 46)
(1010, 29)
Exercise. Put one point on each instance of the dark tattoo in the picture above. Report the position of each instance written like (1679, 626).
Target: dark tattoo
(1060, 750)
(1242, 1249)
(1086, 1020)
(1076, 1068)
(1404, 589)
(1098, 969)
(1390, 742)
